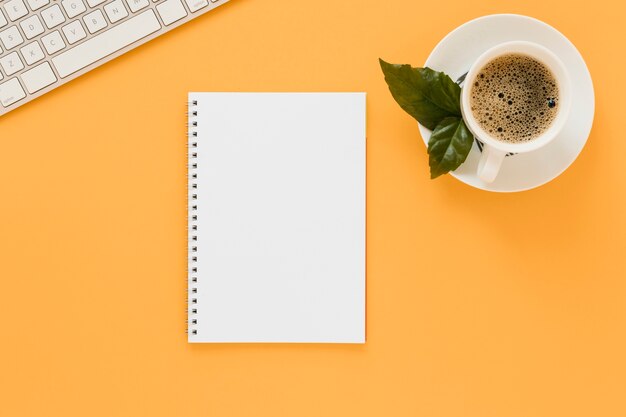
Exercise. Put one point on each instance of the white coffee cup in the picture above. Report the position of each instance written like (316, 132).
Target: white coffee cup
(494, 150)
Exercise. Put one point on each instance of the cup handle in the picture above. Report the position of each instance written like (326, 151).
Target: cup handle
(489, 164)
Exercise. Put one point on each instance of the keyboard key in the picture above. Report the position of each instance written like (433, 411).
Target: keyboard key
(32, 26)
(95, 21)
(74, 32)
(3, 20)
(37, 4)
(15, 9)
(11, 92)
(32, 53)
(73, 7)
(171, 11)
(11, 37)
(53, 16)
(195, 5)
(94, 3)
(11, 63)
(136, 5)
(115, 11)
(39, 77)
(106, 43)
(53, 42)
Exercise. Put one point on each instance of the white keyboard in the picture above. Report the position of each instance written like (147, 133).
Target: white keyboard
(46, 43)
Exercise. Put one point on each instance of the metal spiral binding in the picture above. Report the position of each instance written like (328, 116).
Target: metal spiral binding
(192, 207)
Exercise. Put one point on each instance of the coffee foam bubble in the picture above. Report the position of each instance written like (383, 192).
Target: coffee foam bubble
(514, 98)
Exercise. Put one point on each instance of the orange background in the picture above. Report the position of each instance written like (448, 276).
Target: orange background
(479, 304)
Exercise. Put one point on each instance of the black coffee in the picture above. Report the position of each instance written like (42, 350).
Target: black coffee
(515, 98)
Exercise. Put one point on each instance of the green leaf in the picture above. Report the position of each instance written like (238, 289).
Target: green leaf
(429, 96)
(448, 146)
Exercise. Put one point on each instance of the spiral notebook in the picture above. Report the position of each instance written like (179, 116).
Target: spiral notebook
(276, 217)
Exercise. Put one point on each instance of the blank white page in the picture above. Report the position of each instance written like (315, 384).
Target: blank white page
(280, 227)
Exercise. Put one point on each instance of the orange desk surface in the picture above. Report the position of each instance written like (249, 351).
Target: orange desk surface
(478, 304)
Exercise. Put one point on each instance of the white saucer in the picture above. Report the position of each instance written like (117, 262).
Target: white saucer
(454, 55)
